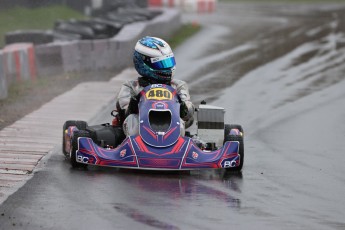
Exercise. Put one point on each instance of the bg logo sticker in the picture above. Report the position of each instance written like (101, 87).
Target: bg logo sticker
(195, 155)
(123, 153)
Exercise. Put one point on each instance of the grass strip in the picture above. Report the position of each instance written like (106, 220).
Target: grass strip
(186, 31)
(19, 18)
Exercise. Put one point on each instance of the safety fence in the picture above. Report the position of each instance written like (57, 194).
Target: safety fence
(199, 6)
(24, 61)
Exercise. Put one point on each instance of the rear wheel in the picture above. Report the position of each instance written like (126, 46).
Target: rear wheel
(73, 153)
(239, 138)
(81, 125)
(227, 128)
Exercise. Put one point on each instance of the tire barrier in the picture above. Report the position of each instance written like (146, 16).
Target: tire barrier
(80, 5)
(199, 6)
(29, 36)
(106, 23)
(25, 61)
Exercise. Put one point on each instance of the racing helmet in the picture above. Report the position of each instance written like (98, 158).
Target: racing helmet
(154, 60)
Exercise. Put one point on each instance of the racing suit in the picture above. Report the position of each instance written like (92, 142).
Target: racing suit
(131, 89)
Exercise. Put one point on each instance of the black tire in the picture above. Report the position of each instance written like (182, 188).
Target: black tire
(81, 125)
(36, 37)
(239, 138)
(74, 149)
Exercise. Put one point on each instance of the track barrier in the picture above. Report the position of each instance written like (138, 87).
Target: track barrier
(19, 62)
(49, 59)
(70, 56)
(3, 81)
(85, 52)
(24, 61)
(199, 6)
(101, 54)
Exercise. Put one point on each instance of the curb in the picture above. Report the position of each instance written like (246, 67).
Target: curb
(199, 6)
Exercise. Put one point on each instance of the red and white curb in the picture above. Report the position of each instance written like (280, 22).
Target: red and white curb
(24, 143)
(199, 6)
(20, 62)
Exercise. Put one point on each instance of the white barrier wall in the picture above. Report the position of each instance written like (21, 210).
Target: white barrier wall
(24, 62)
(122, 45)
(85, 52)
(49, 59)
(100, 54)
(70, 56)
(3, 81)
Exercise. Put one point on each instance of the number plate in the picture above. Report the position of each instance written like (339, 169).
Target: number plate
(159, 94)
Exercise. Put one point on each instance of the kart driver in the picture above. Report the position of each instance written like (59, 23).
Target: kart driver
(155, 63)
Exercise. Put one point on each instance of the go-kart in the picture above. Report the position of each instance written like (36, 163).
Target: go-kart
(159, 144)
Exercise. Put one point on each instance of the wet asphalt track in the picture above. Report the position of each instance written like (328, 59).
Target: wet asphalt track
(278, 70)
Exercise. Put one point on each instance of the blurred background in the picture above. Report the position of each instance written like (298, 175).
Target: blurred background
(275, 66)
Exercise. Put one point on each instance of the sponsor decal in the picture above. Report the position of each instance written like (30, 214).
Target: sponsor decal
(123, 153)
(156, 86)
(195, 155)
(82, 159)
(229, 163)
(160, 105)
(157, 59)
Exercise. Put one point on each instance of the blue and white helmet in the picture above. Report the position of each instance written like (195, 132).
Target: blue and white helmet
(154, 60)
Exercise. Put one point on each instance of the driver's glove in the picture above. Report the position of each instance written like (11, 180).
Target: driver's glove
(133, 105)
(183, 110)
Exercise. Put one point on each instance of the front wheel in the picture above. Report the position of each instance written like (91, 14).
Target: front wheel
(73, 153)
(81, 125)
(235, 136)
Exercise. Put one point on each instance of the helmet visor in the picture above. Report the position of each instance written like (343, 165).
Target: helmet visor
(164, 62)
